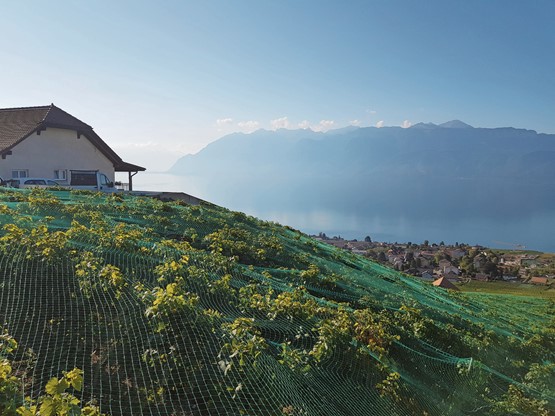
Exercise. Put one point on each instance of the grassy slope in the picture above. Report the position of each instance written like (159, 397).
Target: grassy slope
(174, 309)
(508, 288)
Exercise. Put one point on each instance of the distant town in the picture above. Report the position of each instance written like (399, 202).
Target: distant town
(457, 263)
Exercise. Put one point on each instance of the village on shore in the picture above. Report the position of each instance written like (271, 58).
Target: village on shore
(456, 263)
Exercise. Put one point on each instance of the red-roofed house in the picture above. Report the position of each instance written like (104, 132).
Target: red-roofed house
(539, 280)
(444, 283)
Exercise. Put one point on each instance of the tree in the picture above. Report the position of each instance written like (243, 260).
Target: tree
(491, 268)
(438, 256)
(367, 239)
(381, 257)
(426, 243)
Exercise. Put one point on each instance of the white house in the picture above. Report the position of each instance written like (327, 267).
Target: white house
(47, 142)
(451, 269)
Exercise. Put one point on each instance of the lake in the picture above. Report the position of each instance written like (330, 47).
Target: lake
(533, 230)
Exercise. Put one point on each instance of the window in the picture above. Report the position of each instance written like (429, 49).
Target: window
(83, 179)
(104, 180)
(60, 174)
(20, 173)
(35, 182)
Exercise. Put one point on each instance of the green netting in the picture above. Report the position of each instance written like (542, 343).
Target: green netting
(172, 309)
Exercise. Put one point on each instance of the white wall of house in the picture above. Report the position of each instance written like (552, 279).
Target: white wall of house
(52, 150)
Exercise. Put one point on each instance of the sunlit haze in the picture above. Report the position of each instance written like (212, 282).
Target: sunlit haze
(158, 80)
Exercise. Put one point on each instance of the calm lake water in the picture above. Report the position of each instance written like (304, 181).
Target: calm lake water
(535, 231)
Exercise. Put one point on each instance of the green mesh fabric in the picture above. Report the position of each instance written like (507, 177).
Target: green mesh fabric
(172, 309)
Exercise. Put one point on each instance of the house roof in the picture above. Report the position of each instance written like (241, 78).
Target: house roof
(443, 282)
(451, 275)
(539, 280)
(16, 124)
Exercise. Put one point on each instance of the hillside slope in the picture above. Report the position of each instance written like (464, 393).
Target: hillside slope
(179, 310)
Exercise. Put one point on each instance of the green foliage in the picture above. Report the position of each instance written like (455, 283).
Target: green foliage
(171, 269)
(243, 345)
(58, 401)
(390, 386)
(310, 275)
(9, 383)
(40, 200)
(242, 244)
(253, 296)
(334, 334)
(166, 302)
(200, 310)
(296, 304)
(92, 275)
(119, 236)
(295, 359)
(37, 243)
(516, 402)
(372, 333)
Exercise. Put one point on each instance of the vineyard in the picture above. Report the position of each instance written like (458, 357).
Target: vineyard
(121, 305)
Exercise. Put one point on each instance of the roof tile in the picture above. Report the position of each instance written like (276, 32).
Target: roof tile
(16, 124)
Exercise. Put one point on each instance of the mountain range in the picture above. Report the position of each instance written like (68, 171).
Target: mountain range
(432, 170)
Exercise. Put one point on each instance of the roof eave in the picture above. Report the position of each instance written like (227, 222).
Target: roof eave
(128, 167)
(10, 147)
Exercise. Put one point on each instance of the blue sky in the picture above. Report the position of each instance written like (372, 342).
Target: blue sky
(161, 79)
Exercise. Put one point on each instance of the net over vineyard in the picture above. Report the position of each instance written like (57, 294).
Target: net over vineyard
(170, 309)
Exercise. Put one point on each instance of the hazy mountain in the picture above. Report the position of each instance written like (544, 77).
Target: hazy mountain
(455, 124)
(451, 169)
